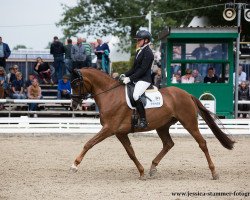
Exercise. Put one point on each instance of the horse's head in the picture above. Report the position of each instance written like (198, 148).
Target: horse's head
(81, 87)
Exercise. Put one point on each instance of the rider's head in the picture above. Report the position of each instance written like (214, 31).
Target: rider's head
(143, 37)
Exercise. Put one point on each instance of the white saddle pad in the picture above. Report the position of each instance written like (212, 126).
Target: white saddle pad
(154, 98)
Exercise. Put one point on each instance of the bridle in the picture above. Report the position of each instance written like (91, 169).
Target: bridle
(78, 81)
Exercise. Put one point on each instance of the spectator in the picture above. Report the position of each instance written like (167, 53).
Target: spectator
(2, 85)
(78, 54)
(115, 75)
(68, 59)
(243, 94)
(99, 51)
(88, 50)
(211, 76)
(57, 50)
(4, 53)
(29, 81)
(187, 78)
(201, 53)
(34, 92)
(242, 75)
(43, 70)
(197, 76)
(12, 75)
(157, 78)
(64, 89)
(17, 90)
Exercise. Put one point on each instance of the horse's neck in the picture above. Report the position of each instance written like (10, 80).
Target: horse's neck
(100, 81)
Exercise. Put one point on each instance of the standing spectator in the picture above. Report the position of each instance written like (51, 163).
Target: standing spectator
(43, 70)
(88, 50)
(211, 76)
(57, 50)
(187, 78)
(244, 94)
(157, 78)
(17, 89)
(99, 51)
(197, 76)
(64, 89)
(34, 92)
(115, 75)
(201, 53)
(2, 85)
(4, 53)
(78, 54)
(68, 59)
(242, 75)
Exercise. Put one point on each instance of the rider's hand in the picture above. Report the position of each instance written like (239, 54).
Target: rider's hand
(126, 80)
(121, 77)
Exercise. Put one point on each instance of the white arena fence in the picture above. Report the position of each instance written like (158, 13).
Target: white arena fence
(26, 125)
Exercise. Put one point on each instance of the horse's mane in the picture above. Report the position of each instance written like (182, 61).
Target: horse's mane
(100, 73)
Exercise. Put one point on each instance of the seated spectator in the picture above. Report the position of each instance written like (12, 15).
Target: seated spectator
(2, 85)
(187, 78)
(244, 94)
(64, 89)
(29, 82)
(17, 89)
(197, 76)
(242, 76)
(34, 92)
(211, 76)
(12, 74)
(43, 70)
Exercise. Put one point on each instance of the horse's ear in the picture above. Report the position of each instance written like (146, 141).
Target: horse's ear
(77, 73)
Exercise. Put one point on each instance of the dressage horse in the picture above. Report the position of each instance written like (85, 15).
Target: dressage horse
(115, 116)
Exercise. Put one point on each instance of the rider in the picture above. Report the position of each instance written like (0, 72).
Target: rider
(140, 73)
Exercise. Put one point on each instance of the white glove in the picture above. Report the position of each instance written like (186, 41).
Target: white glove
(126, 80)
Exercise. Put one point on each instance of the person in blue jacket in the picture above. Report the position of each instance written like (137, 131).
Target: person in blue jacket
(64, 89)
(4, 53)
(140, 73)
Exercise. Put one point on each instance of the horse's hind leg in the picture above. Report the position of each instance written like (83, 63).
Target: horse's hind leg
(124, 139)
(168, 143)
(192, 127)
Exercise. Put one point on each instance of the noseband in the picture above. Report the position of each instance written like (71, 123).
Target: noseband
(78, 81)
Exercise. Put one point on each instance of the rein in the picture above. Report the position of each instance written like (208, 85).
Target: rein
(82, 96)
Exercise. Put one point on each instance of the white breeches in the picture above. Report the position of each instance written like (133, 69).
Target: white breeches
(140, 88)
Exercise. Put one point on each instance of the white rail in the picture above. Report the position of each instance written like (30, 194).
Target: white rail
(24, 124)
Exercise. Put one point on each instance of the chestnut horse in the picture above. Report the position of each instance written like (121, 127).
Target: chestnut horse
(115, 116)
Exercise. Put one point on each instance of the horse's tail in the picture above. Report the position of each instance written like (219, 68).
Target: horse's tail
(207, 116)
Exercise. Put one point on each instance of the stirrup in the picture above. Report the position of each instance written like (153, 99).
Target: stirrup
(143, 123)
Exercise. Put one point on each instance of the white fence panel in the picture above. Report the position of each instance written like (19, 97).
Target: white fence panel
(24, 124)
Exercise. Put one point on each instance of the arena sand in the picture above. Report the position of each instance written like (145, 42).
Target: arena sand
(38, 168)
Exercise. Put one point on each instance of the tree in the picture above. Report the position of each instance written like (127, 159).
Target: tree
(19, 46)
(123, 18)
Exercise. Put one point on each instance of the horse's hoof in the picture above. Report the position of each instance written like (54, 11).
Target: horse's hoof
(143, 178)
(152, 172)
(215, 176)
(73, 169)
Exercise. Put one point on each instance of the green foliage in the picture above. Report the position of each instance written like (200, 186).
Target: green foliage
(121, 66)
(123, 18)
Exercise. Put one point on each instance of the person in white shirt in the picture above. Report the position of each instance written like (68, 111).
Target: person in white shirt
(242, 75)
(187, 78)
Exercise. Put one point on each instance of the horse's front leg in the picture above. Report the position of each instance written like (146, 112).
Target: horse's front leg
(103, 134)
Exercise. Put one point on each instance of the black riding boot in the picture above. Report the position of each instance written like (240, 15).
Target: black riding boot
(140, 108)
